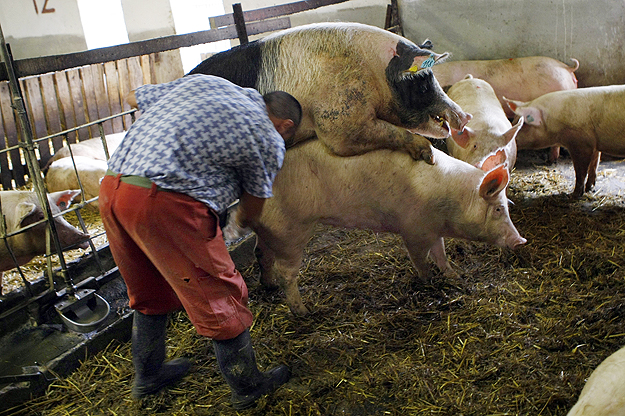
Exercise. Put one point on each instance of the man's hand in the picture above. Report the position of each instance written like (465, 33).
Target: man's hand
(132, 99)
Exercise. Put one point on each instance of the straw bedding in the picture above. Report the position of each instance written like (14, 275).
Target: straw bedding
(518, 334)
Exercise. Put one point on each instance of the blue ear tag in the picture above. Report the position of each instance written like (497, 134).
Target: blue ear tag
(529, 119)
(428, 63)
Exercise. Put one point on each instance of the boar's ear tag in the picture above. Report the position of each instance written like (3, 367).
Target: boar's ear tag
(530, 119)
(428, 63)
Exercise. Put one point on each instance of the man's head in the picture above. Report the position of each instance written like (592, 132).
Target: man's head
(285, 112)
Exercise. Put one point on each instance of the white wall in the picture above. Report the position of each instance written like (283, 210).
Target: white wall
(33, 30)
(593, 32)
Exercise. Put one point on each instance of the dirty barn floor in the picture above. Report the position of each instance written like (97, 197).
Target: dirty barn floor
(517, 336)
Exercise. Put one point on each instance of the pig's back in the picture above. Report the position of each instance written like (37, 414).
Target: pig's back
(376, 183)
(598, 111)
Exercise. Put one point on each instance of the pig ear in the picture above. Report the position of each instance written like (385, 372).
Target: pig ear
(511, 134)
(532, 115)
(494, 182)
(512, 103)
(463, 137)
(24, 209)
(468, 76)
(63, 199)
(494, 160)
(423, 62)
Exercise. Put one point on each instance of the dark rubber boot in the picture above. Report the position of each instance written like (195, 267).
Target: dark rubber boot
(148, 355)
(237, 363)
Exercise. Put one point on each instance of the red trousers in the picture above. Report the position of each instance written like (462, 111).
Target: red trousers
(170, 252)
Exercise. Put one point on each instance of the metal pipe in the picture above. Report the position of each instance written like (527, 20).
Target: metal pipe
(29, 151)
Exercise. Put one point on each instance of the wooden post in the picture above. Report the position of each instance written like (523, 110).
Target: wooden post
(393, 21)
(239, 22)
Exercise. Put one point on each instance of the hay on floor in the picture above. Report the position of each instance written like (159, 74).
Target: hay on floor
(519, 335)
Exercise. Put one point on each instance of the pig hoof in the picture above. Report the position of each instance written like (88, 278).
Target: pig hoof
(299, 310)
(452, 275)
(269, 284)
(424, 154)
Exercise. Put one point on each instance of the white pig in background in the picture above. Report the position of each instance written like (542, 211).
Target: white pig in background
(91, 148)
(384, 191)
(22, 208)
(488, 138)
(585, 121)
(604, 392)
(522, 79)
(62, 175)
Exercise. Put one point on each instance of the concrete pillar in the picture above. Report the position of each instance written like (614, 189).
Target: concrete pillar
(168, 65)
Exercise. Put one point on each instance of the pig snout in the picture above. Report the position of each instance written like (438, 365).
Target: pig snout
(518, 243)
(456, 118)
(440, 124)
(515, 241)
(71, 236)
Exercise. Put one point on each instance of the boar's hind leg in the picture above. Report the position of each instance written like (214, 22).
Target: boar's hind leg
(280, 268)
(280, 250)
(266, 259)
(283, 273)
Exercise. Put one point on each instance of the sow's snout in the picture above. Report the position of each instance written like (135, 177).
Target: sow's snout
(517, 242)
(511, 239)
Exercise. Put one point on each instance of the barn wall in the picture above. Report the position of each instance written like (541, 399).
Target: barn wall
(42, 27)
(161, 23)
(593, 32)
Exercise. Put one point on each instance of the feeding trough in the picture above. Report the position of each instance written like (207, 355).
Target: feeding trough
(84, 311)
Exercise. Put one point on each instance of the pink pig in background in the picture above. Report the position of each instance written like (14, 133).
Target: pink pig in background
(586, 121)
(522, 79)
(488, 138)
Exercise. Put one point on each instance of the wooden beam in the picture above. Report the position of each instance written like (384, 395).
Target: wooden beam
(44, 64)
(272, 11)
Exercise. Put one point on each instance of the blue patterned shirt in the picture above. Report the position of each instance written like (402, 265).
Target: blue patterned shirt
(202, 136)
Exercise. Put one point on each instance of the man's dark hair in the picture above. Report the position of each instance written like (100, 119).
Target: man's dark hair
(284, 106)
